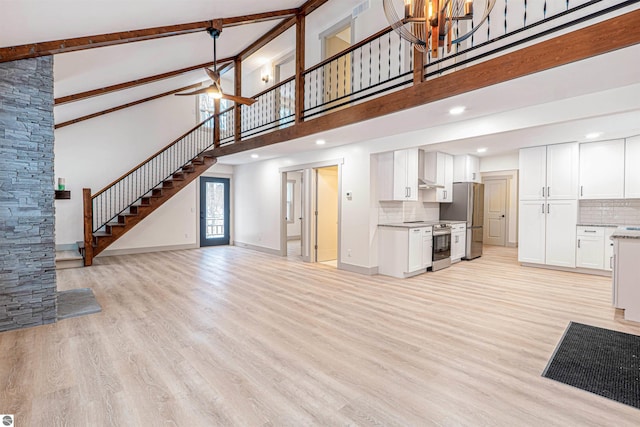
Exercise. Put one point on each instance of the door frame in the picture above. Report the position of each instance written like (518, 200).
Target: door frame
(199, 203)
(227, 214)
(508, 199)
(308, 208)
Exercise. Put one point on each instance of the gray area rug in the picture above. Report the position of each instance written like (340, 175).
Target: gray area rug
(598, 360)
(77, 302)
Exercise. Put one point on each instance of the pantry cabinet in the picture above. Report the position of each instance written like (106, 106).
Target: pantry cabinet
(549, 172)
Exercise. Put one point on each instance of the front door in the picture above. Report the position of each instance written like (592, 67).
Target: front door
(214, 211)
(495, 212)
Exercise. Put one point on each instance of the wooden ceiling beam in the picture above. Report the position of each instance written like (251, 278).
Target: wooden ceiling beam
(121, 107)
(258, 17)
(133, 83)
(33, 50)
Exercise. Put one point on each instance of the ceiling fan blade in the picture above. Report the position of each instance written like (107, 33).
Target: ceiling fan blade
(195, 92)
(239, 99)
(212, 74)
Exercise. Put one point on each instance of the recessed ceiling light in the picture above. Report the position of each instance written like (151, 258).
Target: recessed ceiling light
(321, 142)
(457, 110)
(593, 135)
(254, 156)
(481, 150)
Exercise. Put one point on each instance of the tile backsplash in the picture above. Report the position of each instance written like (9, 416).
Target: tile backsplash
(395, 212)
(613, 212)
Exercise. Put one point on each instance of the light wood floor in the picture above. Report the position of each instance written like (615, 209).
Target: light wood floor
(227, 336)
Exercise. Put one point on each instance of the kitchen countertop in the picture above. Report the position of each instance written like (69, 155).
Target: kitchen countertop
(623, 233)
(598, 225)
(419, 224)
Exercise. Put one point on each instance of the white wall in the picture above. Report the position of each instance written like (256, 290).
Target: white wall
(502, 162)
(93, 153)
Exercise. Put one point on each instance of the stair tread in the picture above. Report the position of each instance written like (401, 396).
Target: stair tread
(101, 234)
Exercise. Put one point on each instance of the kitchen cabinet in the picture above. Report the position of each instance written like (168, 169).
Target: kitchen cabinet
(631, 170)
(398, 175)
(547, 232)
(626, 270)
(607, 262)
(590, 247)
(404, 251)
(602, 170)
(466, 168)
(549, 172)
(438, 172)
(458, 241)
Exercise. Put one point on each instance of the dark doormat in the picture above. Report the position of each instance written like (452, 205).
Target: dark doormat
(77, 302)
(598, 360)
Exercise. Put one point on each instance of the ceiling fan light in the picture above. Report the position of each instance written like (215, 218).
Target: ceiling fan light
(214, 94)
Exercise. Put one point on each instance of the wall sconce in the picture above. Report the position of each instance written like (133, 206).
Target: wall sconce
(265, 78)
(265, 75)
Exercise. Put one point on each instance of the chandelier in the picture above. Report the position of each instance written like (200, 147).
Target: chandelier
(429, 24)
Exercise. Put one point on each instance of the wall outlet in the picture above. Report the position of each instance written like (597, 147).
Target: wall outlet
(349, 253)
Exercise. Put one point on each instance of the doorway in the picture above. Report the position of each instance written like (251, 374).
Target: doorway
(337, 74)
(214, 211)
(293, 212)
(327, 215)
(496, 192)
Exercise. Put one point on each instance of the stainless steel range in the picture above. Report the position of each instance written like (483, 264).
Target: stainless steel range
(441, 246)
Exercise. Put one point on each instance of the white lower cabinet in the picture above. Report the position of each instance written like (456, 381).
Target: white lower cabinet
(458, 242)
(404, 252)
(590, 247)
(547, 232)
(594, 248)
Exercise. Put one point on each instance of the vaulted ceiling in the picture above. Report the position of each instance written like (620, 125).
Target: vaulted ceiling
(506, 116)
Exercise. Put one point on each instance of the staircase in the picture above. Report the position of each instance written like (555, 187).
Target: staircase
(120, 206)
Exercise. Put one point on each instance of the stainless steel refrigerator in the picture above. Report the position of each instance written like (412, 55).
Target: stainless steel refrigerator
(467, 205)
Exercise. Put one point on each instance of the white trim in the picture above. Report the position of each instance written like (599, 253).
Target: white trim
(579, 270)
(270, 251)
(117, 252)
(368, 271)
(289, 238)
(315, 165)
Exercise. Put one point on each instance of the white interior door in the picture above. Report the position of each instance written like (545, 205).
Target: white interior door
(327, 214)
(495, 205)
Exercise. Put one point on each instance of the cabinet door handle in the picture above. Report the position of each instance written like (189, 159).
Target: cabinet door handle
(590, 231)
(611, 262)
(473, 176)
(548, 191)
(445, 194)
(542, 191)
(409, 188)
(543, 208)
(581, 190)
(578, 243)
(548, 208)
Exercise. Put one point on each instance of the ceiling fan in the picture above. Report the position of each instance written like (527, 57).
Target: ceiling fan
(214, 90)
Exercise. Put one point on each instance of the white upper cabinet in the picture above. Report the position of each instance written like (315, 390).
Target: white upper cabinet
(398, 175)
(562, 171)
(549, 172)
(602, 170)
(438, 171)
(533, 173)
(632, 168)
(466, 168)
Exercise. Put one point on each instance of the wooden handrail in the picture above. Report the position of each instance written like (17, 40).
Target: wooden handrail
(274, 87)
(151, 157)
(350, 49)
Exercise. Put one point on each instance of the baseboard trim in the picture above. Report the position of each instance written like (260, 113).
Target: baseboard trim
(512, 245)
(67, 247)
(117, 252)
(368, 271)
(580, 270)
(293, 238)
(258, 248)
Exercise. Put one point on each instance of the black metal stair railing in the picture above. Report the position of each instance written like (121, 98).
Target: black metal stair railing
(274, 109)
(116, 198)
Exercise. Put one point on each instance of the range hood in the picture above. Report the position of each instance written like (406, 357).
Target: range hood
(427, 178)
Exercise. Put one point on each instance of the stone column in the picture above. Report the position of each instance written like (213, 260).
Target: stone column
(27, 244)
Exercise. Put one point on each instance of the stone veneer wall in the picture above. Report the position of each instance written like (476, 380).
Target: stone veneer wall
(27, 245)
